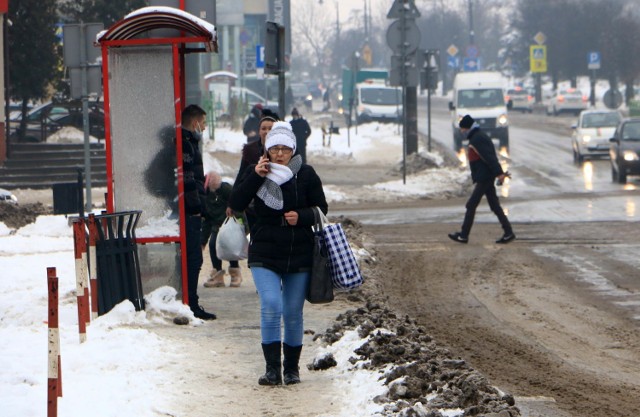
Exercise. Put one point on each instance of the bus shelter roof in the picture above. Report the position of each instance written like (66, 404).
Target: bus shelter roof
(161, 17)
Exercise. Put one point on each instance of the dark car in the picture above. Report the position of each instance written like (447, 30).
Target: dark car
(314, 88)
(301, 95)
(46, 119)
(624, 150)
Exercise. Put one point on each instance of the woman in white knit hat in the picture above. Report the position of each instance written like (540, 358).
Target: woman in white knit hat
(280, 253)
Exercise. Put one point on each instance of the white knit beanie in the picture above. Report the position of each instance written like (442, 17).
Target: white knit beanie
(281, 134)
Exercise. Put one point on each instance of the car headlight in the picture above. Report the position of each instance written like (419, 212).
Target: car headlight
(14, 198)
(309, 97)
(586, 139)
(630, 156)
(339, 97)
(502, 120)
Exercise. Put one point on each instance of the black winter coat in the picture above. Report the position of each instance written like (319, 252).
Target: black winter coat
(215, 211)
(193, 174)
(486, 167)
(274, 244)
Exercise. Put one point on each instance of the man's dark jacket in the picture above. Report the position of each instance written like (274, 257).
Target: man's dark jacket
(301, 130)
(193, 174)
(483, 160)
(274, 244)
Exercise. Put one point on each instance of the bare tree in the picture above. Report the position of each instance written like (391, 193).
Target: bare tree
(312, 33)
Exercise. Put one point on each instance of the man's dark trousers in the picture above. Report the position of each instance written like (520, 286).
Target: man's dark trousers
(489, 190)
(193, 224)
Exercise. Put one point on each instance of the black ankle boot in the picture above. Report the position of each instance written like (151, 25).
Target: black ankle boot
(291, 360)
(272, 356)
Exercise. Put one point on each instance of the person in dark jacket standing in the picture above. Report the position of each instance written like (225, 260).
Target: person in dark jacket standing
(302, 131)
(250, 127)
(280, 252)
(217, 199)
(485, 168)
(193, 123)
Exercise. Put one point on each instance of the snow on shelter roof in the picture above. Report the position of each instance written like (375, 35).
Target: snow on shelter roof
(160, 17)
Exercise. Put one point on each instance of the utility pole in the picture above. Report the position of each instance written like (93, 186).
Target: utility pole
(471, 33)
(403, 37)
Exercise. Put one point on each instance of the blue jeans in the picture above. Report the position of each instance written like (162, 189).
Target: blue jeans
(281, 299)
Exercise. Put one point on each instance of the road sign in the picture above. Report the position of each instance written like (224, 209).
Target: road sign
(71, 45)
(412, 36)
(470, 64)
(593, 60)
(244, 37)
(453, 62)
(452, 50)
(612, 99)
(403, 7)
(367, 54)
(412, 74)
(259, 56)
(472, 51)
(538, 58)
(540, 38)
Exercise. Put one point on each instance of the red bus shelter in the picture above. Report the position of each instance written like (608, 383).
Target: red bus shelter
(143, 68)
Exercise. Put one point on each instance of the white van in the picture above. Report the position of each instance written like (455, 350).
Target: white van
(376, 101)
(480, 95)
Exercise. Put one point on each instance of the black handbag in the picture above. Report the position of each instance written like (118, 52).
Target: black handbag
(320, 285)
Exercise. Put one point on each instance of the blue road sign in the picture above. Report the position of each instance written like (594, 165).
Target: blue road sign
(259, 56)
(453, 62)
(470, 64)
(472, 51)
(593, 60)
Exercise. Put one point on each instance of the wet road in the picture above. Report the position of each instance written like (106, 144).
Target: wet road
(546, 186)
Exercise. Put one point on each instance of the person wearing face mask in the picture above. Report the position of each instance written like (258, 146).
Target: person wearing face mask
(193, 123)
(284, 191)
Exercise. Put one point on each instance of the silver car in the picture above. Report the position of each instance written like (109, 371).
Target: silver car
(568, 100)
(7, 197)
(591, 133)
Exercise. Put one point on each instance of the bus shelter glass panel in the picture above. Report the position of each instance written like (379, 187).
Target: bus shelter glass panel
(142, 137)
(160, 266)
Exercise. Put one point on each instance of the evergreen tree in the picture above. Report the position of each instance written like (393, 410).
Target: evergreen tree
(33, 59)
(92, 11)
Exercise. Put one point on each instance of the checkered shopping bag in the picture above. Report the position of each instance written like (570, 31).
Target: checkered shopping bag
(345, 272)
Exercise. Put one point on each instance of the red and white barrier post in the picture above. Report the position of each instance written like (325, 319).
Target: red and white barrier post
(82, 291)
(93, 265)
(54, 373)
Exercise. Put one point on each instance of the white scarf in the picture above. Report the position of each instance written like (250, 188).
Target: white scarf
(270, 191)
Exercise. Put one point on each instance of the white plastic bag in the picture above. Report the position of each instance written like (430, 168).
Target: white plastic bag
(231, 242)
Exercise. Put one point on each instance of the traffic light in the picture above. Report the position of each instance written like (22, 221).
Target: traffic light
(274, 59)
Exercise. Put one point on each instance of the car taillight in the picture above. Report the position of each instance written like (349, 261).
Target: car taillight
(529, 98)
(585, 98)
(561, 98)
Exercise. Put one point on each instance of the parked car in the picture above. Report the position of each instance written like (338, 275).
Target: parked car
(46, 119)
(301, 95)
(624, 150)
(592, 132)
(314, 88)
(521, 99)
(566, 101)
(7, 197)
(252, 98)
